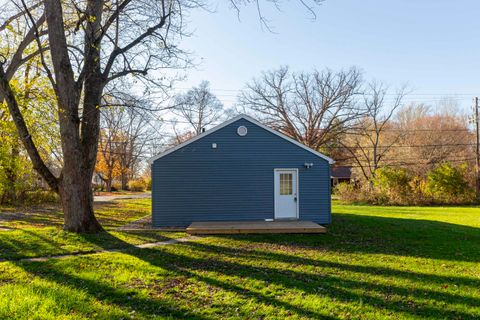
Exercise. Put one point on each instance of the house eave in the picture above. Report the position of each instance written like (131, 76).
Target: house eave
(226, 123)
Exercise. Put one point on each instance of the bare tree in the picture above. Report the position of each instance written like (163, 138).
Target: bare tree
(137, 137)
(179, 136)
(432, 136)
(126, 133)
(199, 107)
(90, 44)
(107, 166)
(312, 108)
(84, 46)
(374, 135)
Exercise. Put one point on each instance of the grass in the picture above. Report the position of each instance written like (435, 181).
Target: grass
(36, 232)
(375, 263)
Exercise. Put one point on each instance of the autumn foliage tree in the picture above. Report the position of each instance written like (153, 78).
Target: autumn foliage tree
(418, 154)
(108, 164)
(17, 176)
(431, 137)
(84, 46)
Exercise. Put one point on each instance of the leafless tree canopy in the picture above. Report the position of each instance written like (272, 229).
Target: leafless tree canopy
(433, 135)
(124, 141)
(313, 108)
(309, 5)
(372, 138)
(85, 46)
(199, 107)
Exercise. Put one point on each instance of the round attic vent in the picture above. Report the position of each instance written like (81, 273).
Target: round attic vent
(242, 131)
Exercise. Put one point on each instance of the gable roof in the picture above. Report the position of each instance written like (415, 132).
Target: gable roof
(226, 123)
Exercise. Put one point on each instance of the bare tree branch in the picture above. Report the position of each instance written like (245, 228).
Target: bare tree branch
(312, 108)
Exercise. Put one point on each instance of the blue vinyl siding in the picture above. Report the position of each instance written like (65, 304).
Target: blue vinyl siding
(235, 181)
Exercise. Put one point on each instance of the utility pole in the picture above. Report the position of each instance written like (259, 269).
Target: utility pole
(477, 152)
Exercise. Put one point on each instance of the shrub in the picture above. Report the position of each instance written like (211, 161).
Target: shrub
(391, 185)
(447, 184)
(137, 185)
(345, 191)
(419, 192)
(38, 197)
(149, 183)
(350, 193)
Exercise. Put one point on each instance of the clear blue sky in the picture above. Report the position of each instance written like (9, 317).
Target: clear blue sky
(430, 44)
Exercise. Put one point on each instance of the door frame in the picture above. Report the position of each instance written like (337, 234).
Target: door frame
(297, 215)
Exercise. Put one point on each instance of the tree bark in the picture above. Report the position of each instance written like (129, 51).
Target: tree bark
(76, 195)
(78, 92)
(79, 149)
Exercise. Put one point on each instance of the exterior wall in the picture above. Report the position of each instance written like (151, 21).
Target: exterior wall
(235, 181)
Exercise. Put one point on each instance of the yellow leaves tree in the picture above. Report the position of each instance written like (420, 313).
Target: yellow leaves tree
(108, 163)
(17, 175)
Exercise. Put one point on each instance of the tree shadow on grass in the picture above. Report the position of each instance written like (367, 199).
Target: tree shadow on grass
(107, 294)
(34, 216)
(30, 243)
(111, 214)
(258, 259)
(278, 257)
(209, 263)
(381, 235)
(334, 286)
(177, 265)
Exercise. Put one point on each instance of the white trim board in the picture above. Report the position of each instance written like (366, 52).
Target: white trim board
(226, 123)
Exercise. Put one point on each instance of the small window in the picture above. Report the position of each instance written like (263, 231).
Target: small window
(286, 184)
(242, 131)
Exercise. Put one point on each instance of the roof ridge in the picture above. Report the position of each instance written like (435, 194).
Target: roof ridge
(232, 120)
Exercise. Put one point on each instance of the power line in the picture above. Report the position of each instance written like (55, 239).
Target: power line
(405, 146)
(348, 132)
(398, 164)
(434, 93)
(353, 131)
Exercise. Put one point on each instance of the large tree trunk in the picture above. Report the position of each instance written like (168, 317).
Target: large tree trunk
(77, 201)
(79, 135)
(75, 188)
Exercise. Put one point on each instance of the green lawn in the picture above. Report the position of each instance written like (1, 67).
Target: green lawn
(375, 262)
(34, 232)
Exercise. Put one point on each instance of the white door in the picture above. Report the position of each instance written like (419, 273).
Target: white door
(286, 198)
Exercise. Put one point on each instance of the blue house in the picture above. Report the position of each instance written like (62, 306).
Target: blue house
(240, 170)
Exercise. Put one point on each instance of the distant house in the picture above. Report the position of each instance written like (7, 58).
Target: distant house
(240, 170)
(341, 174)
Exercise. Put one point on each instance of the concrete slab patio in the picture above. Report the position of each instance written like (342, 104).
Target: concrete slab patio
(240, 227)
